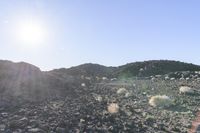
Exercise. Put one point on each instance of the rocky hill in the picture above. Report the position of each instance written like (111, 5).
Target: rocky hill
(154, 67)
(25, 81)
(17, 79)
(88, 69)
(141, 69)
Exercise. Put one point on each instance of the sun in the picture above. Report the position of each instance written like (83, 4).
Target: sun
(31, 34)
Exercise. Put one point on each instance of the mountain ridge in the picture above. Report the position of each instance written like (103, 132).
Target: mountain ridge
(141, 69)
(95, 64)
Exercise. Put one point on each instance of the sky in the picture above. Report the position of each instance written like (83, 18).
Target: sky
(107, 32)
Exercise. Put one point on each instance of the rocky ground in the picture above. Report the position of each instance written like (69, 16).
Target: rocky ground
(87, 110)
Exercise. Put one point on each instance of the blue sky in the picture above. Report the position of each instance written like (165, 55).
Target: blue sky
(107, 32)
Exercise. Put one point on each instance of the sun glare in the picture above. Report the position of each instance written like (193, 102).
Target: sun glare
(31, 34)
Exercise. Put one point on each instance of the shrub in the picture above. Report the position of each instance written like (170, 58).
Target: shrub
(113, 108)
(122, 91)
(160, 101)
(186, 90)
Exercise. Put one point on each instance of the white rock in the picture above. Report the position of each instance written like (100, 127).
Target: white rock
(113, 79)
(141, 69)
(128, 94)
(98, 98)
(34, 130)
(4, 114)
(188, 78)
(134, 85)
(197, 72)
(83, 84)
(153, 79)
(158, 76)
(172, 79)
(2, 127)
(82, 120)
(166, 78)
(88, 78)
(104, 78)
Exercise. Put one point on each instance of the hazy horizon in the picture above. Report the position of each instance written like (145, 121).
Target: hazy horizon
(55, 34)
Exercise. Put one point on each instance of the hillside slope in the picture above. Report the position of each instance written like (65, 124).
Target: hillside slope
(88, 69)
(154, 67)
(141, 69)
